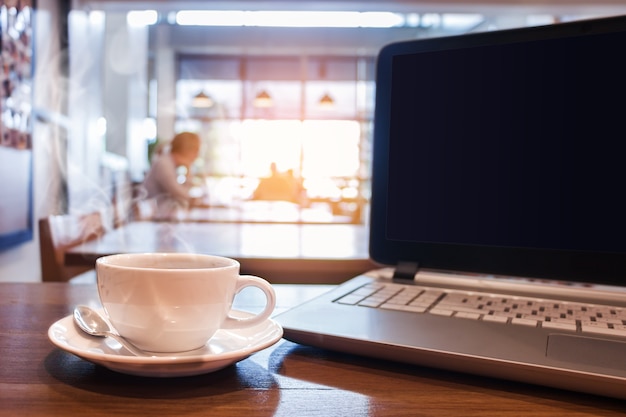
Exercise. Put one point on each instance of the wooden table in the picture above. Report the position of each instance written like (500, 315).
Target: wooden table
(302, 253)
(38, 379)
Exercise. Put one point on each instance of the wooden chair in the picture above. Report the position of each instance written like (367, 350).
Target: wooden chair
(57, 233)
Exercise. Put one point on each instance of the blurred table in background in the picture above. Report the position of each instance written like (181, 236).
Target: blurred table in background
(292, 253)
(319, 211)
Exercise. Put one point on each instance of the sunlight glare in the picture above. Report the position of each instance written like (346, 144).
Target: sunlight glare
(322, 149)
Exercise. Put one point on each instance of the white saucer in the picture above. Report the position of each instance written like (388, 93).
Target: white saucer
(225, 348)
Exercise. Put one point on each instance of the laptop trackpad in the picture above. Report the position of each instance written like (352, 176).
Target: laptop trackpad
(588, 351)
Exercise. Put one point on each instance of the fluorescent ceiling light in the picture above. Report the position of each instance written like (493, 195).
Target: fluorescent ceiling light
(380, 19)
(304, 19)
(138, 18)
(288, 18)
(461, 21)
(211, 17)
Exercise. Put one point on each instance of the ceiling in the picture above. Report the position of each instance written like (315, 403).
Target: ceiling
(417, 6)
(338, 41)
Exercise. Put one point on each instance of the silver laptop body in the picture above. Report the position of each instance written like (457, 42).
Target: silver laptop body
(497, 211)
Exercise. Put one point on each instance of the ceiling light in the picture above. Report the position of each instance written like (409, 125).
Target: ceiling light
(327, 101)
(263, 99)
(202, 101)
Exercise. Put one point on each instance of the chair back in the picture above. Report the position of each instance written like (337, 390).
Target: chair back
(57, 233)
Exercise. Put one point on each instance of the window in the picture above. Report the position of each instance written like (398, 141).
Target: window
(319, 144)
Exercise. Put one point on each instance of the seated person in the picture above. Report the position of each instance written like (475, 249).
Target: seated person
(162, 184)
(277, 187)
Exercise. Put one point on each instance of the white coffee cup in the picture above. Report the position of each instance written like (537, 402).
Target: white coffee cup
(174, 302)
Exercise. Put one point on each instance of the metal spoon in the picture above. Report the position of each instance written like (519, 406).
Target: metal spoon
(93, 324)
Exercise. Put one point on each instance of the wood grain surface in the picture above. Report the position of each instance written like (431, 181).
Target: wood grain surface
(38, 379)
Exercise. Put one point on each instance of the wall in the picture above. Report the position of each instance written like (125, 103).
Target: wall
(125, 72)
(68, 141)
(22, 263)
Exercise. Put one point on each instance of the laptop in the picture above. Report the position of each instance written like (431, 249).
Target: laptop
(498, 214)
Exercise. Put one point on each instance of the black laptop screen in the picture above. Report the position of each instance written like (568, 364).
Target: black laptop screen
(515, 144)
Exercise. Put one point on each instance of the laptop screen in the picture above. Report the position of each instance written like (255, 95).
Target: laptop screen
(504, 152)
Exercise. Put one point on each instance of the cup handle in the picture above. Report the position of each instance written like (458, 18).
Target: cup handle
(251, 281)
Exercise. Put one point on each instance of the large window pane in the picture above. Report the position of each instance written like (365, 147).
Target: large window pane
(330, 148)
(320, 147)
(264, 142)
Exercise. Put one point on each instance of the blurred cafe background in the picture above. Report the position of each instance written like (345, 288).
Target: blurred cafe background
(278, 89)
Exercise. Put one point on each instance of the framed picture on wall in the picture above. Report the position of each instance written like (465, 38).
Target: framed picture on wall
(16, 153)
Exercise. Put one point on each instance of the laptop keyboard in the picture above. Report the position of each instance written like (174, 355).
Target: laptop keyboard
(515, 310)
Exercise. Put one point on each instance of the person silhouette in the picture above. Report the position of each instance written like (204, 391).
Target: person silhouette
(164, 184)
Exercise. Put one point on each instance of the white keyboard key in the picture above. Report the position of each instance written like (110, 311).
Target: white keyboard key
(350, 299)
(524, 322)
(495, 319)
(601, 328)
(392, 306)
(464, 308)
(510, 314)
(376, 298)
(467, 315)
(495, 308)
(441, 312)
(593, 325)
(370, 303)
(398, 300)
(412, 309)
(564, 321)
(364, 292)
(558, 325)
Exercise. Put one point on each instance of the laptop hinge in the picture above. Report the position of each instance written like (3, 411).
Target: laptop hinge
(405, 271)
